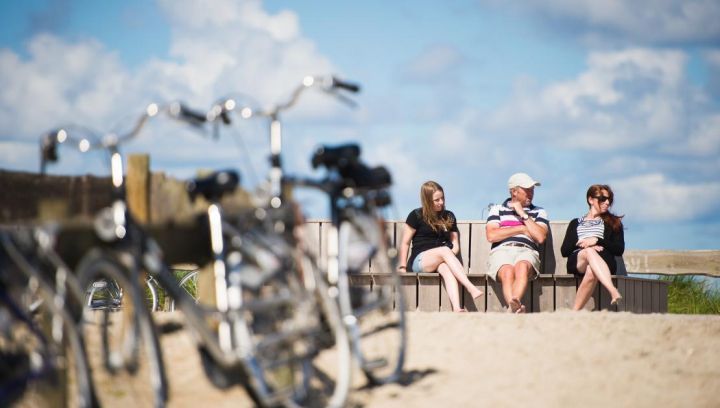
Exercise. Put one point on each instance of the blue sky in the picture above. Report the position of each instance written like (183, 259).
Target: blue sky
(573, 92)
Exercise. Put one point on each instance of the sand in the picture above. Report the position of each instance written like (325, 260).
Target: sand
(561, 359)
(545, 359)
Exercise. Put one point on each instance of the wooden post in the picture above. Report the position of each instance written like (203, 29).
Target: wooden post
(138, 187)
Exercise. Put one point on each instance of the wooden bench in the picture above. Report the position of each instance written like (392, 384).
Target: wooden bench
(553, 290)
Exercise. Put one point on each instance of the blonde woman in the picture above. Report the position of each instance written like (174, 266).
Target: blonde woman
(435, 243)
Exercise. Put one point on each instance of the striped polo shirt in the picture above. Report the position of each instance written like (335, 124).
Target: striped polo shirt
(506, 217)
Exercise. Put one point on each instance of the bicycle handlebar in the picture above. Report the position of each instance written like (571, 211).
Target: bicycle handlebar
(328, 84)
(86, 139)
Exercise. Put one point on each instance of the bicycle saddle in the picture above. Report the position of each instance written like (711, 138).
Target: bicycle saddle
(214, 186)
(336, 157)
(361, 176)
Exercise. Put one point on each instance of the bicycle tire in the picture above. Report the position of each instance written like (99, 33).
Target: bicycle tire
(189, 284)
(284, 338)
(338, 334)
(151, 296)
(125, 371)
(374, 314)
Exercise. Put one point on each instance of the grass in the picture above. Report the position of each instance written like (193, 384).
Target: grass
(687, 295)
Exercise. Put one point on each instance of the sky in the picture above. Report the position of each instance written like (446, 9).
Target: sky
(466, 93)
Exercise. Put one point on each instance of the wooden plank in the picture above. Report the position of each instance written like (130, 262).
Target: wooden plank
(663, 297)
(495, 300)
(475, 305)
(383, 281)
(137, 184)
(378, 264)
(628, 294)
(479, 249)
(565, 289)
(638, 295)
(465, 254)
(553, 261)
(445, 305)
(656, 297)
(543, 294)
(647, 296)
(409, 287)
(428, 292)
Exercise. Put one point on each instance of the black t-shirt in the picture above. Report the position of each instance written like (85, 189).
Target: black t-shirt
(425, 238)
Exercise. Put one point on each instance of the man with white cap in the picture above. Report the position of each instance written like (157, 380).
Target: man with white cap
(516, 228)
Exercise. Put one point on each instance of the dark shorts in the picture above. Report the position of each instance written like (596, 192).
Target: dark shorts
(604, 254)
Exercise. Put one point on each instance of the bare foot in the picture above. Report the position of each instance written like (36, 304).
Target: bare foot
(515, 305)
(616, 300)
(463, 310)
(476, 294)
(521, 309)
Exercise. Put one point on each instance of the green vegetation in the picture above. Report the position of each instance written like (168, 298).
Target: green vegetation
(687, 295)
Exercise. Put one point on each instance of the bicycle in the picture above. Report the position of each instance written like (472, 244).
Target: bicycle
(358, 217)
(41, 345)
(112, 269)
(373, 314)
(266, 343)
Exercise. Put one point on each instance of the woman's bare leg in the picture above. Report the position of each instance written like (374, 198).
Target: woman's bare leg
(586, 288)
(433, 258)
(451, 286)
(601, 271)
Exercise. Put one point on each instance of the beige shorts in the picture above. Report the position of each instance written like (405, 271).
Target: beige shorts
(510, 255)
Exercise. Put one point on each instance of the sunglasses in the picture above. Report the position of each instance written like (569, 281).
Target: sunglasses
(602, 199)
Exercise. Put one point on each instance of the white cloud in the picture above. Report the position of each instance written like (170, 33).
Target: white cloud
(630, 99)
(652, 197)
(216, 48)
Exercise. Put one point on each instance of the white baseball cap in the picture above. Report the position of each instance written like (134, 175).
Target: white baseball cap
(522, 180)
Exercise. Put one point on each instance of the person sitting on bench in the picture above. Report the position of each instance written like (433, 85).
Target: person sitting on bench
(435, 245)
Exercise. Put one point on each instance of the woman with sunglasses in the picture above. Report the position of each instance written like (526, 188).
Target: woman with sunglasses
(591, 244)
(434, 235)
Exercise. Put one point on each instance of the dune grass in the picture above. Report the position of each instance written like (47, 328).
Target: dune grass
(688, 295)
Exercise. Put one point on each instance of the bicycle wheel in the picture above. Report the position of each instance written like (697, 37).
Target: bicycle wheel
(151, 296)
(373, 309)
(334, 340)
(120, 337)
(285, 324)
(189, 284)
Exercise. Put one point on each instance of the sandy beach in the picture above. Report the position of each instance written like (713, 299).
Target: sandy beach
(561, 359)
(597, 359)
